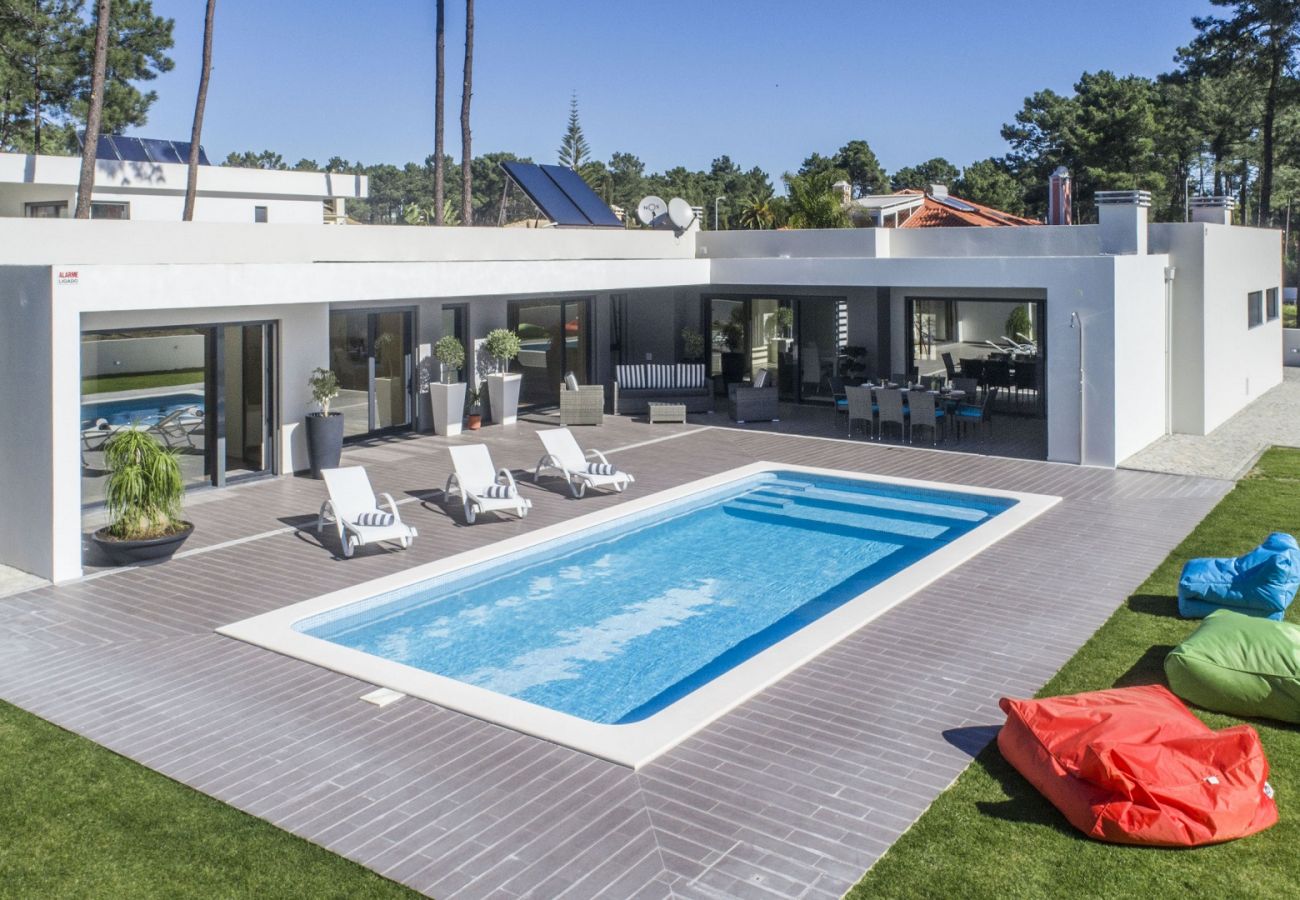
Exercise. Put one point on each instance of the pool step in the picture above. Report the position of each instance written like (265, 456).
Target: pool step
(924, 510)
(869, 527)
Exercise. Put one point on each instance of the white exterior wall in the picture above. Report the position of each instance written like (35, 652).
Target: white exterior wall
(27, 471)
(1220, 364)
(156, 191)
(1137, 381)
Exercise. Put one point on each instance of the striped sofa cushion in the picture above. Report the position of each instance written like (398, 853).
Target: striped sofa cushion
(660, 376)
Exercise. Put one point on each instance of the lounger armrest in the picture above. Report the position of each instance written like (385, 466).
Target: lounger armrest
(392, 507)
(510, 479)
(600, 456)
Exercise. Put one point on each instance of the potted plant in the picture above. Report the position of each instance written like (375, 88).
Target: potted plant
(503, 386)
(475, 413)
(324, 429)
(446, 396)
(143, 493)
(732, 336)
(692, 344)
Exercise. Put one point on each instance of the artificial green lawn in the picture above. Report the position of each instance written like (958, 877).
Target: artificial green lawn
(77, 820)
(103, 383)
(992, 835)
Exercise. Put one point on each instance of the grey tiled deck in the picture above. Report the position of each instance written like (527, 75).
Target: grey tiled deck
(793, 794)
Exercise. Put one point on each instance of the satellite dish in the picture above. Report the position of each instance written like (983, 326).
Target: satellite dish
(649, 209)
(680, 213)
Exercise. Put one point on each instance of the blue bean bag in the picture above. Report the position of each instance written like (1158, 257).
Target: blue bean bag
(1261, 583)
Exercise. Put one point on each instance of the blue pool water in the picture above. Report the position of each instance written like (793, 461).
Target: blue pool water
(129, 410)
(614, 623)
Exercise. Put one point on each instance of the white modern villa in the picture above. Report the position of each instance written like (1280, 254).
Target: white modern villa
(1138, 329)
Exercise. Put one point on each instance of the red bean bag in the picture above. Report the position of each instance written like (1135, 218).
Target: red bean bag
(1134, 766)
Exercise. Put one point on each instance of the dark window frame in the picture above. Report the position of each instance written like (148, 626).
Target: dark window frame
(1273, 306)
(1254, 309)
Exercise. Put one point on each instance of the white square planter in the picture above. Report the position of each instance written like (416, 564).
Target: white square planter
(448, 407)
(503, 397)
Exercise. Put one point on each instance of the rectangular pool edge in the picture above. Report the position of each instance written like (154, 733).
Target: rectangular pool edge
(637, 743)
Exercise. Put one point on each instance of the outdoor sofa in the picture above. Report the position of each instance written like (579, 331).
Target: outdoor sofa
(635, 385)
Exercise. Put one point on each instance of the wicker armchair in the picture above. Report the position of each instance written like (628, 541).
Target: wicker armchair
(753, 404)
(585, 406)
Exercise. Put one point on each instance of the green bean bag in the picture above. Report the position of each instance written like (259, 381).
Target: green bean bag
(1239, 664)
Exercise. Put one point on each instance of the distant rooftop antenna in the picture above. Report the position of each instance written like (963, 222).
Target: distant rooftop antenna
(680, 214)
(650, 210)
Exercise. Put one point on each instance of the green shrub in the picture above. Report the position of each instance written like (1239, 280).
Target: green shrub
(503, 345)
(144, 486)
(450, 352)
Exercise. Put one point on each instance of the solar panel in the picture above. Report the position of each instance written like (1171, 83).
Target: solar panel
(587, 200)
(183, 151)
(104, 148)
(160, 151)
(553, 202)
(955, 203)
(130, 149)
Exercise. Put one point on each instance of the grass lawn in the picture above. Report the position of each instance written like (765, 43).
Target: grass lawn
(104, 383)
(992, 835)
(80, 821)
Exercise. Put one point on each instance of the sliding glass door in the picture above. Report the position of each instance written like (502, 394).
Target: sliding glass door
(555, 339)
(372, 354)
(204, 392)
(798, 340)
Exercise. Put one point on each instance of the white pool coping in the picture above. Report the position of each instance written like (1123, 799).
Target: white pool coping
(637, 743)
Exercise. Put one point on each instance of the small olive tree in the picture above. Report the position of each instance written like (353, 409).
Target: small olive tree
(451, 353)
(502, 345)
(324, 388)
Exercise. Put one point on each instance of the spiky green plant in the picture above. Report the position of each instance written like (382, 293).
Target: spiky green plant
(144, 486)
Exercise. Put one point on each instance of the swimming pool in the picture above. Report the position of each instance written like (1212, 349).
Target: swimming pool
(147, 408)
(626, 630)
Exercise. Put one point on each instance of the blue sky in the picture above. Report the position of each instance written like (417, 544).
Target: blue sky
(673, 82)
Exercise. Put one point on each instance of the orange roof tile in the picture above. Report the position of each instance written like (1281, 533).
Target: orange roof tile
(936, 214)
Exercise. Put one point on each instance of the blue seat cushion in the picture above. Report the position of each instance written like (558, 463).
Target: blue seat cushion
(1262, 583)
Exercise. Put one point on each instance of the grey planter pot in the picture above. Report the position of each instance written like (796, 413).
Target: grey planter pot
(448, 402)
(324, 441)
(503, 397)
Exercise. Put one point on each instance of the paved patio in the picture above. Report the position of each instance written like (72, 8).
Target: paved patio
(793, 794)
(1231, 449)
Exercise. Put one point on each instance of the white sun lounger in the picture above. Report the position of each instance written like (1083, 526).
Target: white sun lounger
(480, 485)
(353, 506)
(564, 455)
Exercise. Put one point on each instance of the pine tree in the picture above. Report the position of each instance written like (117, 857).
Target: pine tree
(574, 150)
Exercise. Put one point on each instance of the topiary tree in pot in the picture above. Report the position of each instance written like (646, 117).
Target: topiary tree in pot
(448, 397)
(324, 429)
(502, 345)
(143, 493)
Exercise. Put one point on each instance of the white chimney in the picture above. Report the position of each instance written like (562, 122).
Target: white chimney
(1060, 199)
(1123, 218)
(845, 190)
(938, 190)
(1216, 210)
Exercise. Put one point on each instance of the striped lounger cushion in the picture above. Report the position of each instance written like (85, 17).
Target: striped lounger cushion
(375, 519)
(597, 468)
(496, 492)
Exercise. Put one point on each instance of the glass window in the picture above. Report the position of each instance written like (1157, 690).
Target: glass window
(56, 210)
(1273, 309)
(259, 214)
(1254, 309)
(151, 379)
(110, 210)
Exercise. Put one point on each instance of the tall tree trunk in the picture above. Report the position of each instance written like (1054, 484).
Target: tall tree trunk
(86, 184)
(439, 81)
(1266, 136)
(192, 182)
(466, 153)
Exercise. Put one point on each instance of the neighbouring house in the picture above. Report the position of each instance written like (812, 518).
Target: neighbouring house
(931, 208)
(144, 179)
(1138, 329)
